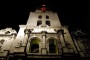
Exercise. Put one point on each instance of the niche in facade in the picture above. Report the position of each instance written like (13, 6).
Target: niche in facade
(7, 32)
(1, 43)
(34, 45)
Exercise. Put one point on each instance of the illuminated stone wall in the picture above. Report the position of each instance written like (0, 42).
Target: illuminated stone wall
(41, 39)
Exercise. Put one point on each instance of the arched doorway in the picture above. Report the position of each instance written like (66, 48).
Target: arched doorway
(52, 45)
(34, 45)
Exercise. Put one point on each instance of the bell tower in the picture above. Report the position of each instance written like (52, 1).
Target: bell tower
(47, 34)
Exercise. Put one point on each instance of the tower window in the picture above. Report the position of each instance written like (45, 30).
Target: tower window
(48, 23)
(47, 17)
(40, 17)
(39, 22)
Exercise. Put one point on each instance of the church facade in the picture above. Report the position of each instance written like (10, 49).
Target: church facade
(42, 37)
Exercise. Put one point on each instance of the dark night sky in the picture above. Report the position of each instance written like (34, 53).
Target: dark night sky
(75, 14)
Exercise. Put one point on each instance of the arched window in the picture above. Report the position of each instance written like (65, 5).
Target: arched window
(48, 23)
(34, 45)
(39, 22)
(40, 17)
(53, 48)
(47, 17)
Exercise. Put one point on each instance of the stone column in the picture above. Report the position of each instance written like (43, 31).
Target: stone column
(25, 41)
(43, 49)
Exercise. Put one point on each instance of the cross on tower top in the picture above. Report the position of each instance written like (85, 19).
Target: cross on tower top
(43, 9)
